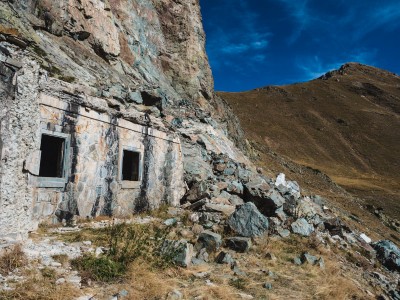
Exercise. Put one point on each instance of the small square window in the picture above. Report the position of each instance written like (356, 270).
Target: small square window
(52, 157)
(130, 165)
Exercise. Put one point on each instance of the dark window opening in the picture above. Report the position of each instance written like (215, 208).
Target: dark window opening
(130, 165)
(52, 158)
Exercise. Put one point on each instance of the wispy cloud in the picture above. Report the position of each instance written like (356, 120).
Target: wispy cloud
(300, 12)
(385, 16)
(245, 37)
(314, 66)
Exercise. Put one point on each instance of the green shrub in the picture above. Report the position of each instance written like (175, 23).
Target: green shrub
(99, 268)
(127, 243)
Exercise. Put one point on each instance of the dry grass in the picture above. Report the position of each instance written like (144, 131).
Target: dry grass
(40, 286)
(147, 283)
(11, 259)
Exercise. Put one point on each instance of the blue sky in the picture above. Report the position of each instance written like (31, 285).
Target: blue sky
(254, 43)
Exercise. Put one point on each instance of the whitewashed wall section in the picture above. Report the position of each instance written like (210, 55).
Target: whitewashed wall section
(93, 184)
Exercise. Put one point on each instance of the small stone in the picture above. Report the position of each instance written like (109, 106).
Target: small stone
(236, 200)
(224, 258)
(197, 229)
(56, 264)
(246, 296)
(209, 240)
(227, 210)
(175, 295)
(238, 271)
(239, 244)
(270, 256)
(297, 261)
(307, 257)
(171, 222)
(267, 286)
(135, 97)
(87, 243)
(194, 218)
(321, 263)
(229, 171)
(283, 232)
(365, 238)
(203, 255)
(60, 281)
(302, 227)
(201, 274)
(197, 261)
(99, 251)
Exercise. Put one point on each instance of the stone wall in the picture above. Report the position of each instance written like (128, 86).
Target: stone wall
(94, 143)
(19, 123)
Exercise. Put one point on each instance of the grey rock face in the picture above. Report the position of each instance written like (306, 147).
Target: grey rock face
(209, 240)
(247, 221)
(388, 254)
(239, 244)
(267, 199)
(302, 227)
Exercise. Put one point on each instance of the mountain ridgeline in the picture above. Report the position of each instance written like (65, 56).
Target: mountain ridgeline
(345, 123)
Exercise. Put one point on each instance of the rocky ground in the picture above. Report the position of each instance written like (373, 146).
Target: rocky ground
(278, 245)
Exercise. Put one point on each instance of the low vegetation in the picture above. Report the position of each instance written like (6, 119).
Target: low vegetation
(11, 259)
(124, 244)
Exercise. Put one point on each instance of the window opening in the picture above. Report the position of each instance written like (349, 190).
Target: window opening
(52, 157)
(130, 165)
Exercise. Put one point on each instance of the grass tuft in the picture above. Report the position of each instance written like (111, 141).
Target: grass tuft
(12, 258)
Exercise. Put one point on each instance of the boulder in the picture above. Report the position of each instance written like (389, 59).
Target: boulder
(236, 200)
(267, 286)
(209, 240)
(388, 254)
(247, 221)
(280, 180)
(302, 227)
(221, 208)
(260, 193)
(224, 258)
(334, 226)
(235, 187)
(181, 252)
(308, 258)
(196, 205)
(239, 244)
(197, 192)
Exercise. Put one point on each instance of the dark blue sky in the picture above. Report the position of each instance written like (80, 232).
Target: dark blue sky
(254, 43)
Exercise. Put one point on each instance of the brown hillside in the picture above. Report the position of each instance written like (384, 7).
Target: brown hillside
(345, 124)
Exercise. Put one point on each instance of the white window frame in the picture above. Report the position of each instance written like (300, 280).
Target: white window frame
(126, 184)
(56, 182)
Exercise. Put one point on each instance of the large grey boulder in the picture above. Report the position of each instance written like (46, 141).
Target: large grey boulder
(247, 221)
(302, 227)
(267, 199)
(388, 254)
(181, 252)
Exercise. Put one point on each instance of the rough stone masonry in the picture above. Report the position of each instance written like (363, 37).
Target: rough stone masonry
(106, 110)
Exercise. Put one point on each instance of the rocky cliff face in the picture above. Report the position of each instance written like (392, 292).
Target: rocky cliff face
(117, 46)
(91, 72)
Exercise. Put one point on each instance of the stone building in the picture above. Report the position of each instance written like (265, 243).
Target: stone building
(64, 153)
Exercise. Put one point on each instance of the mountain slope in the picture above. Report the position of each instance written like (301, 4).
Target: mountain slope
(345, 123)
